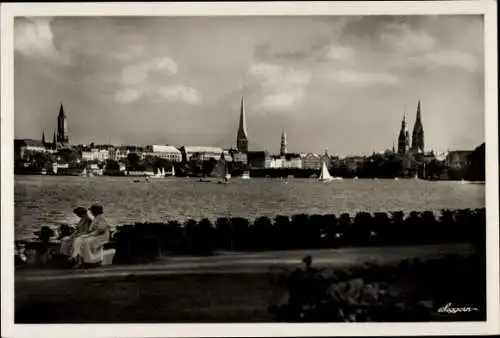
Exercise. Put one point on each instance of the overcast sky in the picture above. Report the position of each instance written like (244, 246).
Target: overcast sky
(340, 83)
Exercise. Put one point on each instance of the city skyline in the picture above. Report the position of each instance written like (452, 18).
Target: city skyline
(168, 81)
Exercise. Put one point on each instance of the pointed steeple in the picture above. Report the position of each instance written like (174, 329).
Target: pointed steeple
(418, 112)
(243, 120)
(417, 145)
(242, 137)
(43, 137)
(61, 111)
(62, 126)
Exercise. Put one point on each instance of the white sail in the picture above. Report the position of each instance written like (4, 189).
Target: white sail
(162, 172)
(246, 175)
(173, 171)
(325, 175)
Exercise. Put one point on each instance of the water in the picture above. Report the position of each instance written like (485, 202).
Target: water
(49, 200)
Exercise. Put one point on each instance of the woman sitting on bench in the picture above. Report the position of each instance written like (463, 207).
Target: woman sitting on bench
(88, 248)
(82, 228)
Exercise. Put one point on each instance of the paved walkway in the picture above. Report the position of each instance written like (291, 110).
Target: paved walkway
(250, 262)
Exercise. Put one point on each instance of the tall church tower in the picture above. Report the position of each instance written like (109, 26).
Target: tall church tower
(404, 137)
(417, 144)
(242, 137)
(62, 126)
(283, 147)
(43, 137)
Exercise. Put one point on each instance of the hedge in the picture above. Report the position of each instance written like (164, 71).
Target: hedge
(301, 231)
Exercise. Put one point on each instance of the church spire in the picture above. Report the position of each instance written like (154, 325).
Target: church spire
(62, 126)
(43, 137)
(403, 138)
(417, 145)
(242, 137)
(283, 147)
(61, 111)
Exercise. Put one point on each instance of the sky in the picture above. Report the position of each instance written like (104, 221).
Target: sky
(340, 83)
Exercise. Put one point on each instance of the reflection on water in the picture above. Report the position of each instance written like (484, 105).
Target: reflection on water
(49, 200)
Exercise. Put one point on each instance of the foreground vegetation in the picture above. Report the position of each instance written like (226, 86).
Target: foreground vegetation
(411, 290)
(145, 241)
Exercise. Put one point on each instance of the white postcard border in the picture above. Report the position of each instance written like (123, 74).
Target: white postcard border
(488, 8)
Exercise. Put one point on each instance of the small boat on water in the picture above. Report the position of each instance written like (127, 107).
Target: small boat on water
(325, 174)
(396, 179)
(246, 175)
(173, 171)
(355, 177)
(44, 171)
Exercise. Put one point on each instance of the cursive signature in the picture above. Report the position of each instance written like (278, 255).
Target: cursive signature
(448, 308)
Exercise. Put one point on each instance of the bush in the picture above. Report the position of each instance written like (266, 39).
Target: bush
(373, 293)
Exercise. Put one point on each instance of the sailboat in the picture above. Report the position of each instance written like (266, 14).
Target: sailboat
(84, 173)
(162, 172)
(173, 171)
(324, 175)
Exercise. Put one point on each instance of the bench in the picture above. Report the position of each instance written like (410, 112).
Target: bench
(47, 253)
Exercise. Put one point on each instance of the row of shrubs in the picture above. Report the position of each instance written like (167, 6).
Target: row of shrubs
(147, 240)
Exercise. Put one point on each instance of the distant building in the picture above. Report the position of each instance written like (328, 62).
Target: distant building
(293, 160)
(276, 162)
(200, 153)
(23, 147)
(163, 151)
(118, 153)
(242, 136)
(238, 157)
(94, 154)
(311, 161)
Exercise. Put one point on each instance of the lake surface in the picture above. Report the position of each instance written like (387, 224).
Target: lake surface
(49, 200)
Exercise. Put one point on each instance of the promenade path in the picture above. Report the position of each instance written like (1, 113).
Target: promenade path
(255, 262)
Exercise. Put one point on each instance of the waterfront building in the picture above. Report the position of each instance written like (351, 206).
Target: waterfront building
(95, 154)
(311, 161)
(200, 153)
(237, 156)
(404, 137)
(276, 162)
(417, 141)
(24, 147)
(283, 145)
(242, 136)
(62, 126)
(292, 161)
(118, 153)
(163, 151)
